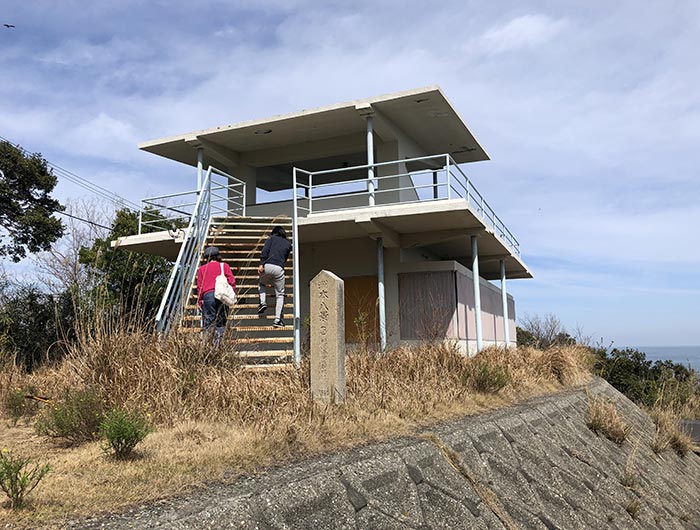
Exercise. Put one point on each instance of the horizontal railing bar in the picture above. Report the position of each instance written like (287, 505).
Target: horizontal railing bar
(376, 191)
(375, 165)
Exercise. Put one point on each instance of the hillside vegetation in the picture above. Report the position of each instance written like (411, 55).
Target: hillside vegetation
(213, 420)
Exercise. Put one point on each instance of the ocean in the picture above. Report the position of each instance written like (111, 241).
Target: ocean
(680, 354)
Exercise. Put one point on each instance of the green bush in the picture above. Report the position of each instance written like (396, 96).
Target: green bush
(17, 405)
(485, 376)
(18, 477)
(77, 418)
(122, 431)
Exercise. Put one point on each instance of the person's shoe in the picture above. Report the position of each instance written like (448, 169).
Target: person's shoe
(261, 309)
(278, 323)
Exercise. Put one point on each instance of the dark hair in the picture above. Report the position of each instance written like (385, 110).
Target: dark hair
(279, 231)
(211, 254)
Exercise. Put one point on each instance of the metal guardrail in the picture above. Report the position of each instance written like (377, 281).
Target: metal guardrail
(226, 197)
(182, 276)
(441, 178)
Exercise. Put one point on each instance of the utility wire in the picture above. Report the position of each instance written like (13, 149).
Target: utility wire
(82, 182)
(85, 220)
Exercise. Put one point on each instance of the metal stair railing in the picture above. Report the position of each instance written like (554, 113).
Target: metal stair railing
(182, 276)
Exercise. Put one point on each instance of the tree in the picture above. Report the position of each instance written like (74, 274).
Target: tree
(26, 207)
(542, 332)
(60, 267)
(133, 281)
(33, 324)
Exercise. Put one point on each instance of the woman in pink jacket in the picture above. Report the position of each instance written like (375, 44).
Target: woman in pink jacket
(214, 313)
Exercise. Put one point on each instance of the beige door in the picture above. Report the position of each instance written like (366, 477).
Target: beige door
(361, 315)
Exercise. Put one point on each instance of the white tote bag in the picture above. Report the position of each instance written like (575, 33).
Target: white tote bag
(223, 290)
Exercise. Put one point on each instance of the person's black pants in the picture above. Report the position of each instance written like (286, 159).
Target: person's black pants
(214, 315)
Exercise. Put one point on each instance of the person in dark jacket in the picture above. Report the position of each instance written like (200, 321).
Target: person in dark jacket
(214, 313)
(272, 259)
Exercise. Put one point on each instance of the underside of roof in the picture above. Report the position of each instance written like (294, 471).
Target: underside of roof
(424, 116)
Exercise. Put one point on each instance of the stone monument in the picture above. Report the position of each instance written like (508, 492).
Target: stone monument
(327, 338)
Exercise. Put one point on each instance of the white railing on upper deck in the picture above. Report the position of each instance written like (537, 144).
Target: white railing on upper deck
(434, 178)
(226, 197)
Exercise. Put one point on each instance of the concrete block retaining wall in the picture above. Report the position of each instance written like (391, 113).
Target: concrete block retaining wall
(535, 465)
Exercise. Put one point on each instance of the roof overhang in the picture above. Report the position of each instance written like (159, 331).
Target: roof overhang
(423, 115)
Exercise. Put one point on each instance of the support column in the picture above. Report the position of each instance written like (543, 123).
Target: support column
(477, 293)
(370, 159)
(200, 159)
(504, 301)
(380, 291)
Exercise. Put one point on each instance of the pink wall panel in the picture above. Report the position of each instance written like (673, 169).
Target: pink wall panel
(427, 305)
(488, 320)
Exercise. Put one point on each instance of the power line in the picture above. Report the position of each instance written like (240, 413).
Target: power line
(85, 220)
(96, 189)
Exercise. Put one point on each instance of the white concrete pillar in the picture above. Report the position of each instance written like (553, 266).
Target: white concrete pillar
(504, 301)
(477, 293)
(200, 160)
(370, 159)
(380, 291)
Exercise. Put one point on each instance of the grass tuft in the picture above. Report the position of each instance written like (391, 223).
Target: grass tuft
(668, 433)
(604, 418)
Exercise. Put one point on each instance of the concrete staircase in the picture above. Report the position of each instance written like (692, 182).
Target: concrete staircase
(250, 335)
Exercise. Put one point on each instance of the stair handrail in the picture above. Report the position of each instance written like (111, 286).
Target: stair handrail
(185, 267)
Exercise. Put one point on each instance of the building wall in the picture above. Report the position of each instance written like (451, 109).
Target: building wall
(423, 297)
(352, 258)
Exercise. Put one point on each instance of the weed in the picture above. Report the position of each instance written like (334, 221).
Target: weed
(668, 434)
(487, 377)
(17, 405)
(76, 419)
(122, 431)
(633, 507)
(19, 476)
(604, 418)
(630, 478)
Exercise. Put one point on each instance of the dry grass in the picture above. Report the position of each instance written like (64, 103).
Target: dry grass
(604, 418)
(668, 433)
(216, 421)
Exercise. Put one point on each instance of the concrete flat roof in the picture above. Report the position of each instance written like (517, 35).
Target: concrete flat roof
(424, 115)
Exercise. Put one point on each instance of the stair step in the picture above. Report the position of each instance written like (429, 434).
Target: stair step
(246, 340)
(286, 269)
(234, 229)
(269, 328)
(252, 224)
(254, 238)
(233, 318)
(269, 353)
(269, 367)
(242, 306)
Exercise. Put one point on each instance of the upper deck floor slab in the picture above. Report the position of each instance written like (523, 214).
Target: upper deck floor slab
(442, 228)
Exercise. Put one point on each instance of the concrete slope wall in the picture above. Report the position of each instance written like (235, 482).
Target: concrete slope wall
(535, 465)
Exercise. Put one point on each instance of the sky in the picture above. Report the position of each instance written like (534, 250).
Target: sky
(589, 110)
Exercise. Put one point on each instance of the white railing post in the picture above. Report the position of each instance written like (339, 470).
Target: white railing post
(140, 217)
(449, 180)
(245, 197)
(295, 272)
(311, 192)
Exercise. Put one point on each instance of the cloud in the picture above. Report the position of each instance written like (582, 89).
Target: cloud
(592, 125)
(526, 31)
